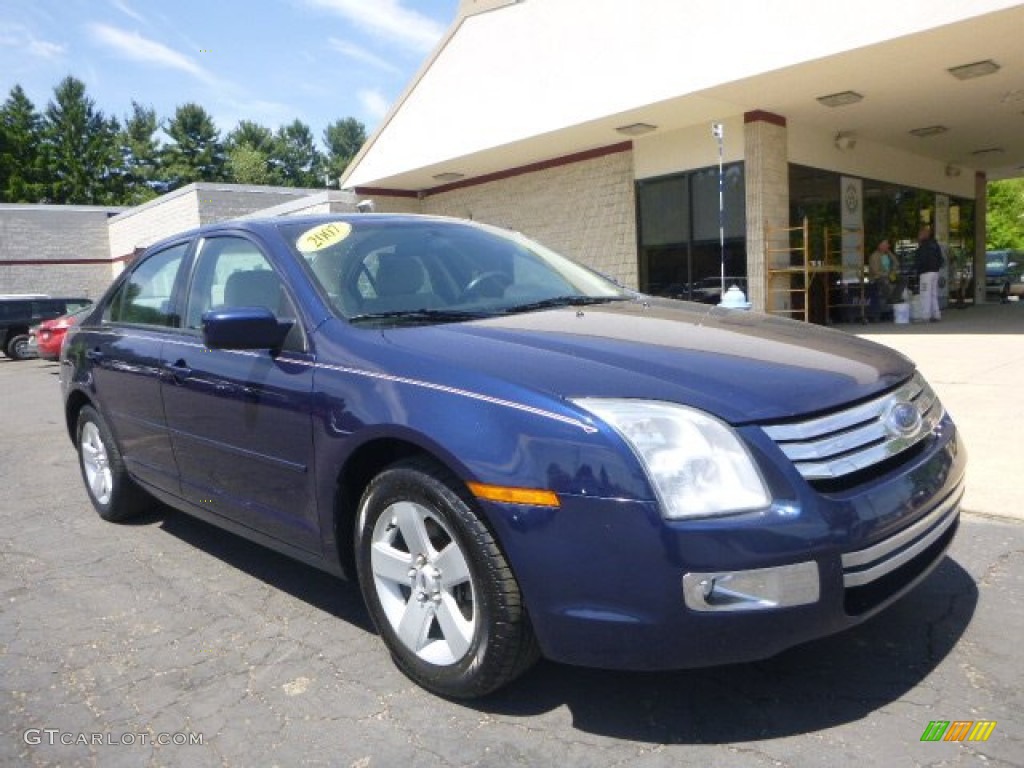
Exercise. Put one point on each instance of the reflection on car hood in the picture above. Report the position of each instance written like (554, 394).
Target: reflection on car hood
(741, 366)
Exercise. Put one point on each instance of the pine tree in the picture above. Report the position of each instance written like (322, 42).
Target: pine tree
(22, 174)
(343, 139)
(195, 152)
(296, 160)
(80, 147)
(140, 155)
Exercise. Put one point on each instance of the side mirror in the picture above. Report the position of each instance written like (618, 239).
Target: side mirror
(244, 328)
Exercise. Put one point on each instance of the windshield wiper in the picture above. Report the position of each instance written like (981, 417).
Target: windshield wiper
(563, 301)
(423, 314)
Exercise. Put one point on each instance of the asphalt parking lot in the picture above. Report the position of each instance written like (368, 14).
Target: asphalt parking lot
(114, 638)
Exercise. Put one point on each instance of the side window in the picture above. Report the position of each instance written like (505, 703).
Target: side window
(234, 272)
(145, 296)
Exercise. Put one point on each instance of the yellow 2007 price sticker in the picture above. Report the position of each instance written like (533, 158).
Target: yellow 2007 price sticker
(323, 236)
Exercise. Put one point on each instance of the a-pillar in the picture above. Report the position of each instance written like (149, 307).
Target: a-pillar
(766, 167)
(980, 234)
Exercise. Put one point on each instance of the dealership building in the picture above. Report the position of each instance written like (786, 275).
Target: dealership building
(663, 143)
(600, 127)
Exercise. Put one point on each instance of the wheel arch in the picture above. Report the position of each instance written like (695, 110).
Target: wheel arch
(360, 467)
(76, 400)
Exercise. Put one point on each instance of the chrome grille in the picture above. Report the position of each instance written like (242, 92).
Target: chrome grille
(848, 441)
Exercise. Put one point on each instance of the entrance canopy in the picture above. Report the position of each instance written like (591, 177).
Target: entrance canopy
(515, 83)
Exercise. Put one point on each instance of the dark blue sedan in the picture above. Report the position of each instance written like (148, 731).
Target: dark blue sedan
(514, 456)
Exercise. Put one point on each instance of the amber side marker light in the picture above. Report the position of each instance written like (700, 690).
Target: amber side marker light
(514, 495)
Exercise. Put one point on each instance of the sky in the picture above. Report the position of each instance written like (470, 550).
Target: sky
(269, 61)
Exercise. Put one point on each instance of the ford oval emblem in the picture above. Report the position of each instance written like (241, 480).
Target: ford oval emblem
(903, 419)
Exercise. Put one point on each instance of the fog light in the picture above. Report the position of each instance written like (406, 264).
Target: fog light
(756, 590)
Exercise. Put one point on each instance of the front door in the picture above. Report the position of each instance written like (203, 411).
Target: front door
(240, 420)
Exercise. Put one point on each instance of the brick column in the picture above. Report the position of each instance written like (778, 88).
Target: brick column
(766, 164)
(980, 234)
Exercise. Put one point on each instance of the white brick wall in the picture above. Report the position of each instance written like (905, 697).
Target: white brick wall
(190, 207)
(155, 220)
(585, 210)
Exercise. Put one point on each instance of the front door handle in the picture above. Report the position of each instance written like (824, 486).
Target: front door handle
(179, 371)
(94, 355)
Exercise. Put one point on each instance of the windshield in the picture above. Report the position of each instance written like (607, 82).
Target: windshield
(434, 270)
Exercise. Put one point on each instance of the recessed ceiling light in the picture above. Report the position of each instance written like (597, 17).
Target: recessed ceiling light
(977, 69)
(988, 151)
(840, 99)
(636, 129)
(450, 176)
(929, 130)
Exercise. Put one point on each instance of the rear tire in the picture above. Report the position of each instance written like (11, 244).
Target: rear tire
(111, 491)
(438, 588)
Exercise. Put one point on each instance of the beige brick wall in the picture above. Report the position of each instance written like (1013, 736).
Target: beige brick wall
(390, 204)
(767, 179)
(585, 210)
(53, 233)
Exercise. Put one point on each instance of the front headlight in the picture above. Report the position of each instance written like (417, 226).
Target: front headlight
(698, 465)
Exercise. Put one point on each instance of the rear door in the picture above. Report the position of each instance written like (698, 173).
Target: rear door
(240, 420)
(125, 358)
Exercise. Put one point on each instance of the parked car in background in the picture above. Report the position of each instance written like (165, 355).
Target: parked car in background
(47, 338)
(19, 313)
(511, 454)
(1002, 271)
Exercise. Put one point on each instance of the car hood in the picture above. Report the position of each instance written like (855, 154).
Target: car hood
(740, 366)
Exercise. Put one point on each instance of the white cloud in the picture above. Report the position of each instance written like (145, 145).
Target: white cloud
(19, 36)
(374, 102)
(353, 51)
(389, 19)
(127, 10)
(132, 45)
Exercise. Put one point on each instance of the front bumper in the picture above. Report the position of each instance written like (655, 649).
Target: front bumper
(604, 580)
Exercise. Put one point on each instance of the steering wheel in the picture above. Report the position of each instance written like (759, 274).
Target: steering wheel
(499, 279)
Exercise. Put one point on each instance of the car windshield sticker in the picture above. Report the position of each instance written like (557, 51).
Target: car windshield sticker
(323, 236)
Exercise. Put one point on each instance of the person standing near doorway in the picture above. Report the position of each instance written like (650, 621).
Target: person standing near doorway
(929, 262)
(879, 266)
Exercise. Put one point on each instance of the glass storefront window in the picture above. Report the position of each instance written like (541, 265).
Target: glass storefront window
(678, 229)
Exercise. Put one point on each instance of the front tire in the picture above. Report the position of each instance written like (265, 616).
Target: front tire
(437, 586)
(111, 491)
(17, 347)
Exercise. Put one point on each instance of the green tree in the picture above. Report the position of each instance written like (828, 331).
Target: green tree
(140, 156)
(1005, 214)
(248, 165)
(195, 152)
(80, 146)
(249, 150)
(343, 139)
(296, 160)
(21, 164)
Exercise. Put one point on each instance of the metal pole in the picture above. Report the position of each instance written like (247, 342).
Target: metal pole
(718, 132)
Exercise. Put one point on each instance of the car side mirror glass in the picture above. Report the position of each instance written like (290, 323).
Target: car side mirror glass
(244, 328)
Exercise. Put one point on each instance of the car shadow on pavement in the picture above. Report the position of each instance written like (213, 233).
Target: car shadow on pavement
(822, 684)
(321, 590)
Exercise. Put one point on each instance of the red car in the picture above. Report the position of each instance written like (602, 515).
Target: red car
(49, 334)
